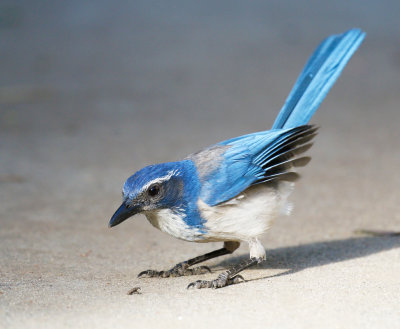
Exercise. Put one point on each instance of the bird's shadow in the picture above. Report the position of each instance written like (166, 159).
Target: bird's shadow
(300, 257)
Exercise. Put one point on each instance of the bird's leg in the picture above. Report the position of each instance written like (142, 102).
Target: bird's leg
(182, 268)
(226, 278)
(231, 276)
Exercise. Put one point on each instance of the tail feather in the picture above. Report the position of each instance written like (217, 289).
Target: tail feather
(318, 76)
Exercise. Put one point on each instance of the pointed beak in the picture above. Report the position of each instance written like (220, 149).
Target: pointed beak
(123, 213)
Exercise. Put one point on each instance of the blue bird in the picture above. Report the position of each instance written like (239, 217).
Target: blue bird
(233, 190)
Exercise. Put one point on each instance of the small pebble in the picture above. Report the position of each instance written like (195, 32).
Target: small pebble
(134, 291)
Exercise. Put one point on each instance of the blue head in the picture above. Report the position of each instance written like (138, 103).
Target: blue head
(166, 185)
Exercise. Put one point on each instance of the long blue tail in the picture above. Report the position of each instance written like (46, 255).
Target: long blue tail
(318, 76)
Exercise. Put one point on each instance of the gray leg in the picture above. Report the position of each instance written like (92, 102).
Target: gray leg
(226, 278)
(183, 268)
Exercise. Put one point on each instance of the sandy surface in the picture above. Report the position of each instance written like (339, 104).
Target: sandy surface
(90, 93)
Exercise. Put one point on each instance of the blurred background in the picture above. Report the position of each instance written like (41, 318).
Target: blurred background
(91, 91)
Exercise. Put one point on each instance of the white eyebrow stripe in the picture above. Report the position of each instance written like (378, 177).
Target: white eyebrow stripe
(161, 179)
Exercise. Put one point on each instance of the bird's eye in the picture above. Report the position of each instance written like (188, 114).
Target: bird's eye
(154, 190)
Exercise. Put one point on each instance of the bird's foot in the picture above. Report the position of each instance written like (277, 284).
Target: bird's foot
(181, 269)
(222, 280)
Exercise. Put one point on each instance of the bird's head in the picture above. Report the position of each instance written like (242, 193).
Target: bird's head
(153, 187)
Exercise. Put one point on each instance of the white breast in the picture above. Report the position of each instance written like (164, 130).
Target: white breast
(248, 215)
(171, 222)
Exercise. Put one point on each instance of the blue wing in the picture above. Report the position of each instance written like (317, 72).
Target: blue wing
(252, 159)
(318, 76)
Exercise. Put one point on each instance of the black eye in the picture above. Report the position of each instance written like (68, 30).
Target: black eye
(154, 190)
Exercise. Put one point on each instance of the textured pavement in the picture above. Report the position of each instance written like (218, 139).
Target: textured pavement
(91, 92)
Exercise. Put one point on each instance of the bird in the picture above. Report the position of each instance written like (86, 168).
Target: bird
(232, 191)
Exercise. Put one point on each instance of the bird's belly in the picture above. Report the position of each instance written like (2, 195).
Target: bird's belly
(248, 215)
(172, 222)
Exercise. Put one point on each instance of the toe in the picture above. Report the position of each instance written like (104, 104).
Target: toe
(164, 274)
(144, 274)
(218, 283)
(148, 274)
(199, 284)
(201, 270)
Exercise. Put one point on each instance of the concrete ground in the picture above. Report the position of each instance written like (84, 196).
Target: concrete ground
(92, 91)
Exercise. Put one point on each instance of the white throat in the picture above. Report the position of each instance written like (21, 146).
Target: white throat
(172, 222)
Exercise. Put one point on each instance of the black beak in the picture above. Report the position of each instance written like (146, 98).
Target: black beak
(122, 213)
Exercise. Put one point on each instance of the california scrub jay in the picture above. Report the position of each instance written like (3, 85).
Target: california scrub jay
(233, 190)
